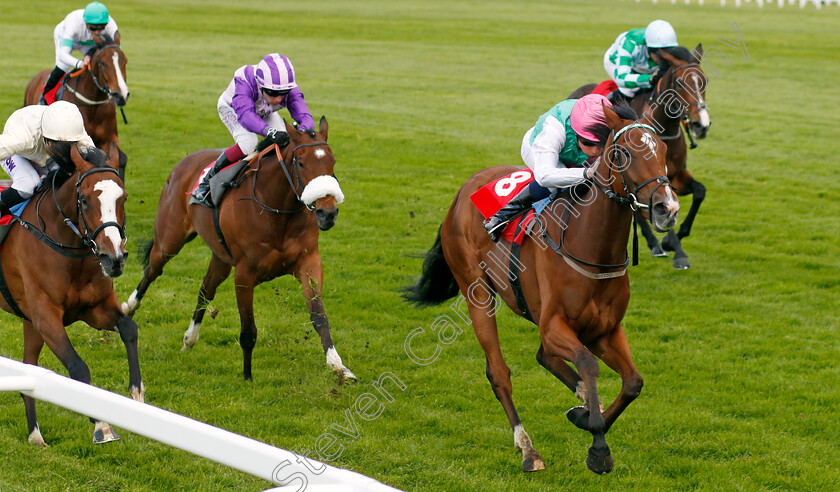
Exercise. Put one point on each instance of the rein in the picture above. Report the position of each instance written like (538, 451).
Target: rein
(685, 116)
(294, 182)
(88, 239)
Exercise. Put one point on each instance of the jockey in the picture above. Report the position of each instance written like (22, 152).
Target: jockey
(569, 135)
(633, 59)
(76, 32)
(32, 135)
(248, 108)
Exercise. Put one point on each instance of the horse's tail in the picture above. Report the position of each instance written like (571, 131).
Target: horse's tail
(436, 284)
(145, 250)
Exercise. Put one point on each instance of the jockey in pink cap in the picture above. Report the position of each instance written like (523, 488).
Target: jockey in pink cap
(571, 134)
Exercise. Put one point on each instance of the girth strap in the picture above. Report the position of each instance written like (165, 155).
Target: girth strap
(7, 295)
(219, 231)
(515, 273)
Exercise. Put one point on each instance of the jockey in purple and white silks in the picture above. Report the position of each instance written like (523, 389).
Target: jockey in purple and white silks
(248, 108)
(76, 32)
(32, 135)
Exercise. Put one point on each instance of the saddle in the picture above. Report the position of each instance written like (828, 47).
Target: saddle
(8, 220)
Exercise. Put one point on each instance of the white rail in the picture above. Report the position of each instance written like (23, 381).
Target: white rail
(284, 468)
(780, 3)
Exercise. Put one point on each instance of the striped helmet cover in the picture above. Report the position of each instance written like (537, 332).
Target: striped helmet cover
(275, 72)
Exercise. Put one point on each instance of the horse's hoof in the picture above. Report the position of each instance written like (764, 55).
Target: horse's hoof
(658, 252)
(101, 436)
(682, 263)
(533, 463)
(579, 416)
(599, 464)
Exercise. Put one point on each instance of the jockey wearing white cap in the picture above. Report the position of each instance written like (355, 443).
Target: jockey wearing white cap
(248, 108)
(632, 61)
(32, 135)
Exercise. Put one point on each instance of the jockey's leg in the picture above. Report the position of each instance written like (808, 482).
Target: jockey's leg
(230, 155)
(24, 181)
(530, 194)
(51, 82)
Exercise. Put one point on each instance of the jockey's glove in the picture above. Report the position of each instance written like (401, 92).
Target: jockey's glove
(280, 137)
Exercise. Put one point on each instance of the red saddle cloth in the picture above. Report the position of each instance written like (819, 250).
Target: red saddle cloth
(50, 96)
(491, 197)
(204, 173)
(605, 87)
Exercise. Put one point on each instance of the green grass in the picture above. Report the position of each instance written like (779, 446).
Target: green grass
(739, 353)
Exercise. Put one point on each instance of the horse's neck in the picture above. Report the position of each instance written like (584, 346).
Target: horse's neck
(54, 225)
(598, 233)
(272, 186)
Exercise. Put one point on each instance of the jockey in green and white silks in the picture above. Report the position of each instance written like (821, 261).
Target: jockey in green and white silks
(632, 61)
(75, 33)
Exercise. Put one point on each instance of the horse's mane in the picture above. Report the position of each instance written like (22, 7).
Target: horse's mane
(65, 168)
(104, 40)
(602, 131)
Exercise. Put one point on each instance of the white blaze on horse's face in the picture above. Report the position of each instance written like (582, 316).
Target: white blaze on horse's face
(320, 153)
(111, 192)
(120, 80)
(705, 121)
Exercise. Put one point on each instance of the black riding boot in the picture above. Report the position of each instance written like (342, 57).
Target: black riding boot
(8, 199)
(202, 192)
(52, 80)
(496, 223)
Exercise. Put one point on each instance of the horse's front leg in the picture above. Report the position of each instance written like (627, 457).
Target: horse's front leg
(615, 352)
(698, 194)
(47, 321)
(310, 274)
(245, 282)
(559, 340)
(32, 345)
(672, 243)
(652, 241)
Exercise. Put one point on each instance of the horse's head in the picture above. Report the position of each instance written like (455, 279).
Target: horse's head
(688, 81)
(100, 204)
(107, 66)
(636, 156)
(313, 160)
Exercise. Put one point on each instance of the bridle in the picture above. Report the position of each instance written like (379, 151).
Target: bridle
(628, 199)
(294, 179)
(96, 76)
(686, 114)
(87, 237)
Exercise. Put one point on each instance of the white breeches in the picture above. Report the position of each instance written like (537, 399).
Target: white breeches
(24, 176)
(246, 139)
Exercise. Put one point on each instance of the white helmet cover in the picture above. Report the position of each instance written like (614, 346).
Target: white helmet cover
(660, 34)
(62, 121)
(275, 72)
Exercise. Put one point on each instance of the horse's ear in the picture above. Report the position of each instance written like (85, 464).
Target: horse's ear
(323, 127)
(76, 157)
(698, 52)
(113, 155)
(613, 120)
(291, 130)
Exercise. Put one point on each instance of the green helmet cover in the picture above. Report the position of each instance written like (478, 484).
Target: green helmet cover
(96, 13)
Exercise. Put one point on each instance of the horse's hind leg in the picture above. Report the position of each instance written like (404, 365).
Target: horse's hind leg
(162, 249)
(32, 345)
(217, 272)
(123, 160)
(310, 274)
(481, 304)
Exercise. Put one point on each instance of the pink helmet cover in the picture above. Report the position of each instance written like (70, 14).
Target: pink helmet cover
(587, 112)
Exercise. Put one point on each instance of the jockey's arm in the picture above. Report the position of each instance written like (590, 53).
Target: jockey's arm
(299, 111)
(548, 170)
(624, 75)
(243, 104)
(65, 54)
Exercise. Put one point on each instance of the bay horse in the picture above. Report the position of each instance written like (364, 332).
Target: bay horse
(578, 310)
(679, 96)
(97, 89)
(58, 260)
(266, 226)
